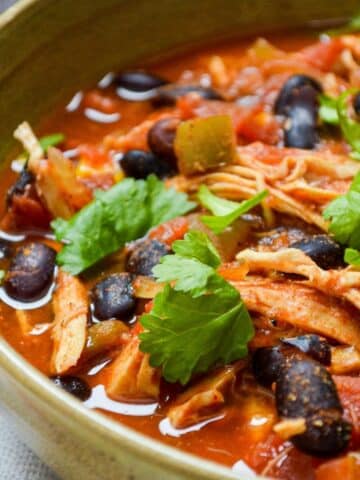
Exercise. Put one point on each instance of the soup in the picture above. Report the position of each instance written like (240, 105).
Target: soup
(179, 250)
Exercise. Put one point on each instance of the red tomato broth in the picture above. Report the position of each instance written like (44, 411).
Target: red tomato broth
(243, 430)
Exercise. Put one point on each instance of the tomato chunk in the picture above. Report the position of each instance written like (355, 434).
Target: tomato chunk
(170, 231)
(344, 468)
(323, 55)
(349, 391)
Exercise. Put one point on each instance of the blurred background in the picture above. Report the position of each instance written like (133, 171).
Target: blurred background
(6, 3)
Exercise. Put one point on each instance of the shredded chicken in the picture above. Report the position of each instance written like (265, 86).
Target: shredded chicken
(56, 182)
(301, 306)
(131, 376)
(31, 144)
(203, 400)
(57, 185)
(300, 183)
(343, 283)
(344, 360)
(70, 304)
(289, 427)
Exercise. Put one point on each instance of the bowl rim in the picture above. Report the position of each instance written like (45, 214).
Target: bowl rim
(109, 430)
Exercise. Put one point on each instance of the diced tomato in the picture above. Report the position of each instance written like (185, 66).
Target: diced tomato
(262, 127)
(265, 153)
(278, 459)
(138, 328)
(344, 468)
(28, 212)
(99, 101)
(323, 55)
(187, 105)
(349, 392)
(170, 231)
(257, 458)
(233, 271)
(93, 155)
(149, 306)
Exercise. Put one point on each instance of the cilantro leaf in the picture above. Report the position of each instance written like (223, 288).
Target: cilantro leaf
(190, 275)
(349, 126)
(335, 111)
(352, 257)
(197, 245)
(225, 212)
(328, 109)
(344, 213)
(123, 213)
(192, 265)
(51, 140)
(186, 335)
(198, 322)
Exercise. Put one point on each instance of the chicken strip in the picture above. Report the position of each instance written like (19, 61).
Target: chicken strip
(56, 182)
(70, 305)
(62, 193)
(301, 306)
(203, 400)
(131, 376)
(343, 283)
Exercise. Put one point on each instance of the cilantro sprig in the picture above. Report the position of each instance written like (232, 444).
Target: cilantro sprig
(51, 140)
(224, 211)
(199, 320)
(192, 266)
(335, 111)
(328, 111)
(123, 213)
(344, 216)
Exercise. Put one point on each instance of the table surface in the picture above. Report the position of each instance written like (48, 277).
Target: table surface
(16, 460)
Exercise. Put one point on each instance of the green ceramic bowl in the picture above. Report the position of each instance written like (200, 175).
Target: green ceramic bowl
(48, 49)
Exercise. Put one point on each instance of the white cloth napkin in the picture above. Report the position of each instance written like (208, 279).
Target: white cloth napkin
(17, 462)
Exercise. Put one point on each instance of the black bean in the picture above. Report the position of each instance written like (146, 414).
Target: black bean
(24, 181)
(73, 385)
(316, 347)
(291, 88)
(356, 103)
(303, 388)
(168, 95)
(266, 364)
(138, 81)
(161, 138)
(298, 101)
(114, 297)
(300, 130)
(140, 164)
(326, 434)
(31, 272)
(5, 249)
(144, 255)
(323, 250)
